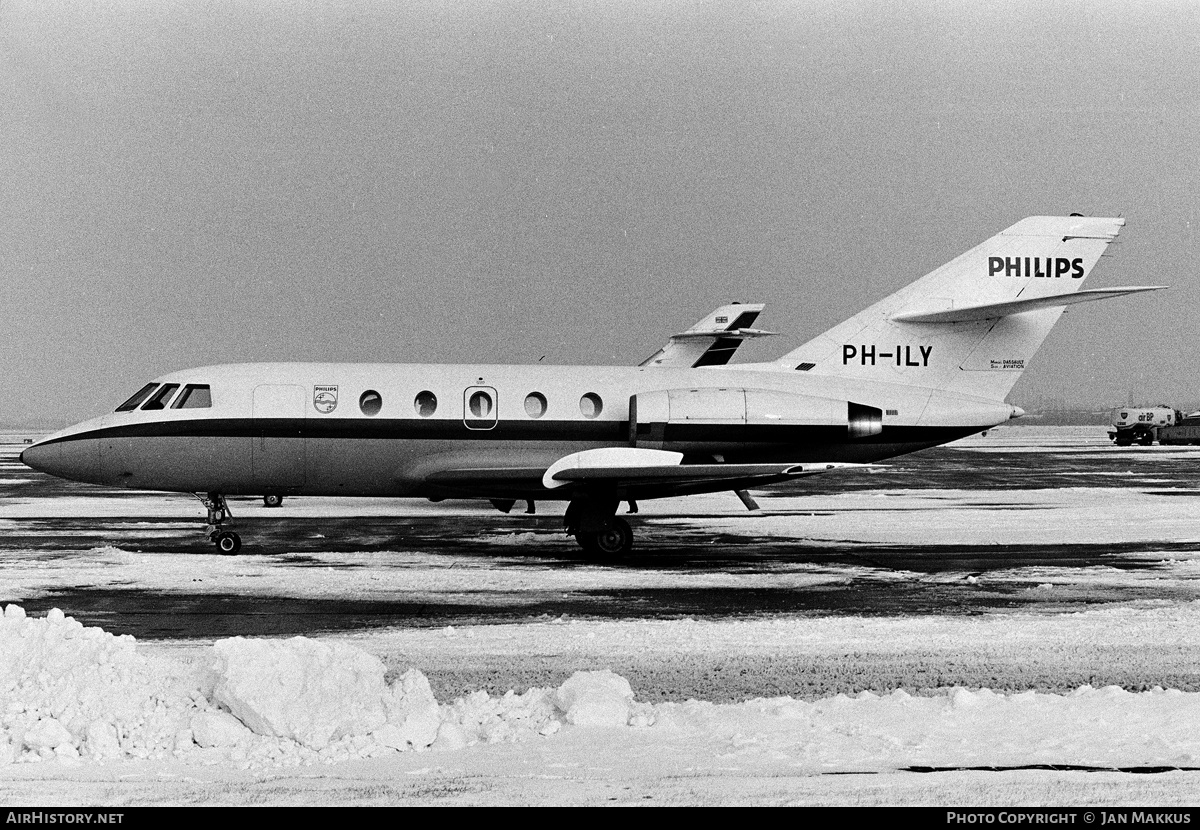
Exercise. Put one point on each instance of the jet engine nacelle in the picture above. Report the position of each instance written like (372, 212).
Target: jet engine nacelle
(650, 413)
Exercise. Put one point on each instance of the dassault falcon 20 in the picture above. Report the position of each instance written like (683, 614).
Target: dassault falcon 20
(930, 363)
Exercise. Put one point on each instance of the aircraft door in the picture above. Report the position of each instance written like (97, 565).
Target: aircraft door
(278, 457)
(480, 406)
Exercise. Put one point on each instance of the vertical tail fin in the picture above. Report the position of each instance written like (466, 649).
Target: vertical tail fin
(972, 325)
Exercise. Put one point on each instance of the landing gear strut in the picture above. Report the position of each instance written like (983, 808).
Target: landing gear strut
(227, 541)
(596, 527)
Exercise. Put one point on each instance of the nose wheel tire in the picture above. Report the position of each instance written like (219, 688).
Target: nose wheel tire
(272, 500)
(228, 542)
(615, 540)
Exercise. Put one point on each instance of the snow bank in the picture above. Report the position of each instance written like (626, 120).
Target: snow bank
(70, 693)
(76, 695)
(67, 690)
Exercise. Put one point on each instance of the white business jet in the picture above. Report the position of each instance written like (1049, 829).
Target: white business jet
(931, 363)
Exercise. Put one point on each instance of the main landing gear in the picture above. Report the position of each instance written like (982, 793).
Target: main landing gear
(227, 541)
(597, 528)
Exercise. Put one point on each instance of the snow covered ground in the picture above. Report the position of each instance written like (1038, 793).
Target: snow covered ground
(1052, 659)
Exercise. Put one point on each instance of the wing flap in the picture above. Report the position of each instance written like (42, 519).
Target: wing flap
(621, 468)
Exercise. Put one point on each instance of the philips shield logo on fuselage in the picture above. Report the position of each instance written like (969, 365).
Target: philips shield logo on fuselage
(1033, 266)
(325, 399)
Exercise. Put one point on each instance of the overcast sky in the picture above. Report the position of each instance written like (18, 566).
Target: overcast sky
(184, 183)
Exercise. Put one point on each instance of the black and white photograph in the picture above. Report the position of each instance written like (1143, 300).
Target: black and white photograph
(600, 403)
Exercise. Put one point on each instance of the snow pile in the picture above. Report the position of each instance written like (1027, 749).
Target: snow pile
(70, 692)
(598, 699)
(75, 694)
(310, 692)
(67, 690)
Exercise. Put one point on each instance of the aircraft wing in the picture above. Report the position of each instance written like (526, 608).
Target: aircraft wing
(646, 473)
(636, 472)
(713, 340)
(647, 482)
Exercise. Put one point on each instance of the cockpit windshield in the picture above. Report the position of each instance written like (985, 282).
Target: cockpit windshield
(160, 398)
(194, 396)
(140, 396)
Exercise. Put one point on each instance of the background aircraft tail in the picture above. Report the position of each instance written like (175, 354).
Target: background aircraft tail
(713, 340)
(972, 325)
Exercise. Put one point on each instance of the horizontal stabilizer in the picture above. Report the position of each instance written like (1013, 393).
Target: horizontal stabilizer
(991, 311)
(740, 334)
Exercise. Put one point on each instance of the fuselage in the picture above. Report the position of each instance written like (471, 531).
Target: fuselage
(490, 431)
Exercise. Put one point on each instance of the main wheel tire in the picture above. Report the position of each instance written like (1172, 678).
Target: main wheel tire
(272, 500)
(228, 543)
(615, 540)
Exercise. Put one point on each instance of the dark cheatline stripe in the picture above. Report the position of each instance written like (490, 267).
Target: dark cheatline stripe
(416, 429)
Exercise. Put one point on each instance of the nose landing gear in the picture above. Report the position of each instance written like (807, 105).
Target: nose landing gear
(227, 541)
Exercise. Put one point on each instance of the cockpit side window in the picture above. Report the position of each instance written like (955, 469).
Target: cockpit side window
(194, 396)
(159, 401)
(141, 395)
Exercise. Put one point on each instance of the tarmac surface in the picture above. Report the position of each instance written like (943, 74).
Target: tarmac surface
(1041, 522)
(861, 577)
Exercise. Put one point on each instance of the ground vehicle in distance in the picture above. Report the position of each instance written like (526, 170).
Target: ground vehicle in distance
(1185, 431)
(1141, 424)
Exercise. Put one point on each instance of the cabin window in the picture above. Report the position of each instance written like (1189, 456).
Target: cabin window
(425, 404)
(160, 398)
(141, 395)
(591, 405)
(535, 404)
(480, 404)
(194, 396)
(370, 402)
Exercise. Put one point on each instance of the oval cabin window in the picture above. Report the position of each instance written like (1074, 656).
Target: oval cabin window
(425, 404)
(535, 404)
(370, 402)
(481, 405)
(591, 405)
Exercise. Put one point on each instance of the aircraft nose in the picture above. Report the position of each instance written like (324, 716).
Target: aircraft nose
(29, 457)
(77, 459)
